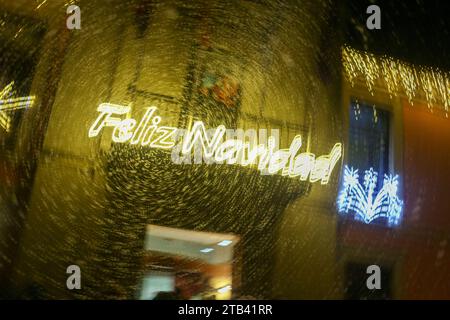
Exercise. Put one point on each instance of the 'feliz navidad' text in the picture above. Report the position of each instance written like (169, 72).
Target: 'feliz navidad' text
(149, 133)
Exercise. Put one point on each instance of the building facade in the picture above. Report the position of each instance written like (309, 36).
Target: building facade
(134, 220)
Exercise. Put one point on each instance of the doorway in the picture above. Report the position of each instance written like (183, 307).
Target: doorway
(187, 264)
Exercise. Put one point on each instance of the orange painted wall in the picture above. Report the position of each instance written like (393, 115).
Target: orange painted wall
(427, 202)
(426, 167)
(421, 244)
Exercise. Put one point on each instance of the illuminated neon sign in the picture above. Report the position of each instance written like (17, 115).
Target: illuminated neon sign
(148, 132)
(10, 104)
(362, 200)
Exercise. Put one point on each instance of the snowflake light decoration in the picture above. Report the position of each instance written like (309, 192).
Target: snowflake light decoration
(362, 200)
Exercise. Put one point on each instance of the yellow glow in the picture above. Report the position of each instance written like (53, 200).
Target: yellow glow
(303, 165)
(105, 118)
(295, 146)
(324, 165)
(7, 90)
(122, 132)
(278, 161)
(150, 131)
(17, 103)
(229, 151)
(137, 136)
(198, 133)
(166, 138)
(147, 132)
(12, 104)
(41, 4)
(223, 287)
(250, 154)
(5, 121)
(398, 77)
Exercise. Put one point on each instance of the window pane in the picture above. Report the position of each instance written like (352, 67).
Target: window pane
(369, 138)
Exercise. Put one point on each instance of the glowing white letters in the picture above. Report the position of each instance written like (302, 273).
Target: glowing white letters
(231, 151)
(146, 133)
(364, 203)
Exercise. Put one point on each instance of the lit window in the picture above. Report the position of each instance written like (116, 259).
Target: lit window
(369, 138)
(374, 198)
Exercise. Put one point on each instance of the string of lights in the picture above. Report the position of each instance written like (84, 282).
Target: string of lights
(400, 78)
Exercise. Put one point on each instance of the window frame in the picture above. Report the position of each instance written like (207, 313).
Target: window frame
(384, 101)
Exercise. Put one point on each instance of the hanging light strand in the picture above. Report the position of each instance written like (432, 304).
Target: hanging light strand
(399, 78)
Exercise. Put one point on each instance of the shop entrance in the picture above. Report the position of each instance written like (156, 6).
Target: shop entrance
(186, 264)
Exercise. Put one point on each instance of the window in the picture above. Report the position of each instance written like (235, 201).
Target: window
(368, 161)
(369, 138)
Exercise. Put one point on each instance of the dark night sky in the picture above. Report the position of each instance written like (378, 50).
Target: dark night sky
(417, 31)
